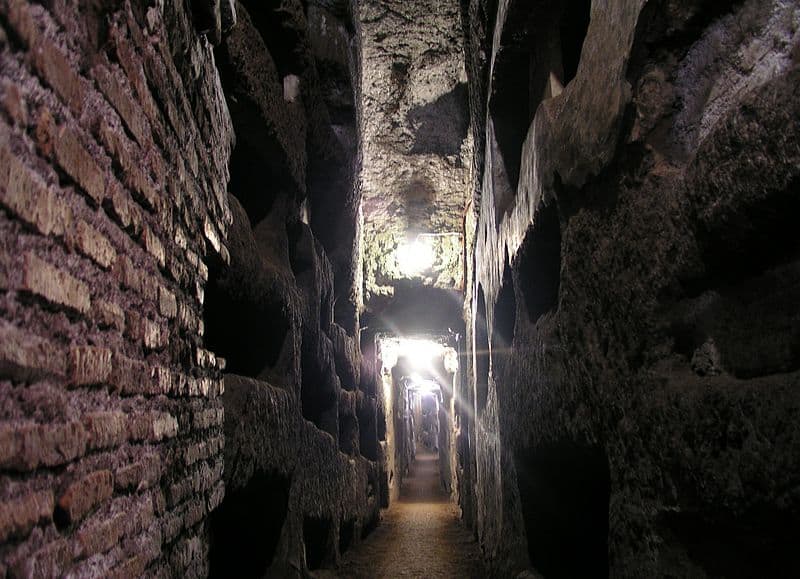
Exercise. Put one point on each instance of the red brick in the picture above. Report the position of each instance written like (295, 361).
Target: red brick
(89, 365)
(106, 428)
(21, 20)
(187, 318)
(149, 287)
(53, 284)
(121, 208)
(94, 245)
(152, 426)
(195, 512)
(27, 445)
(172, 524)
(131, 376)
(110, 83)
(122, 149)
(83, 495)
(25, 356)
(48, 561)
(205, 358)
(127, 274)
(14, 103)
(153, 246)
(79, 163)
(216, 495)
(135, 73)
(25, 194)
(58, 72)
(167, 304)
(163, 379)
(45, 132)
(109, 314)
(131, 568)
(99, 537)
(208, 418)
(140, 475)
(18, 516)
(141, 516)
(144, 331)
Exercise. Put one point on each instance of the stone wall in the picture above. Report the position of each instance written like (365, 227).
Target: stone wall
(635, 248)
(182, 384)
(302, 461)
(114, 146)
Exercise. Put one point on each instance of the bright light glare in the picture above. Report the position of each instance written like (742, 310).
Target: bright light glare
(420, 353)
(450, 360)
(422, 385)
(416, 257)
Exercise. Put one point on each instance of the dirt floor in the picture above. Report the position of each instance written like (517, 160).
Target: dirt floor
(419, 536)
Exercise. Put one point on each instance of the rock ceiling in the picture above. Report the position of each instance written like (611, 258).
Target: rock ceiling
(414, 129)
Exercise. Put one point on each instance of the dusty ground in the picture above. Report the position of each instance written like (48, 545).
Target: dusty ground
(419, 536)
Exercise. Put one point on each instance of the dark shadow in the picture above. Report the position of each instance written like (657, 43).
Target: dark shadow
(318, 540)
(760, 543)
(441, 125)
(504, 323)
(540, 263)
(346, 534)
(246, 527)
(367, 427)
(564, 488)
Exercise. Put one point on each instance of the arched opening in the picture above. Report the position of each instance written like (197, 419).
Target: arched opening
(505, 320)
(318, 541)
(540, 51)
(246, 528)
(564, 488)
(540, 263)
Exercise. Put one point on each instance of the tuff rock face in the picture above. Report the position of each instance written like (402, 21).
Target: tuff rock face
(635, 250)
(204, 206)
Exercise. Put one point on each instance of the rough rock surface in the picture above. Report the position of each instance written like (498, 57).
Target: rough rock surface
(641, 263)
(414, 133)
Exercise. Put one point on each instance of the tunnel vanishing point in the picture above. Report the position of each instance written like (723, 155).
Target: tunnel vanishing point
(400, 288)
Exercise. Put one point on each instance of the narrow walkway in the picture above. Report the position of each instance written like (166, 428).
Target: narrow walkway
(419, 536)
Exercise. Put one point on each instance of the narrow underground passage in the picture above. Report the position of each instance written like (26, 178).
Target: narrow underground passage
(421, 534)
(381, 288)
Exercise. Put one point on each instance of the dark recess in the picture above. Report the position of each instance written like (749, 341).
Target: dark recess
(348, 434)
(255, 190)
(346, 534)
(241, 323)
(504, 319)
(367, 428)
(283, 40)
(760, 543)
(753, 238)
(572, 27)
(246, 527)
(540, 38)
(564, 488)
(540, 263)
(318, 540)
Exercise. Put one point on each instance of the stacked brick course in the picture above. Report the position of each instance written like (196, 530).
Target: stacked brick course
(114, 145)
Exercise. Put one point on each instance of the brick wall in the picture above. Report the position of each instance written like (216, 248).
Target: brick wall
(114, 144)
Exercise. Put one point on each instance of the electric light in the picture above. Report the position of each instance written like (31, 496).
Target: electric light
(415, 257)
(450, 360)
(421, 385)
